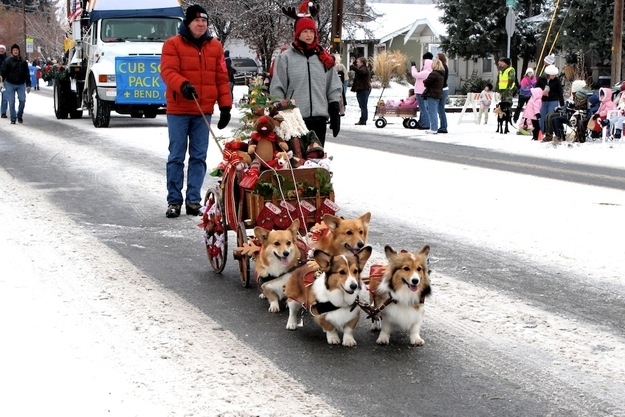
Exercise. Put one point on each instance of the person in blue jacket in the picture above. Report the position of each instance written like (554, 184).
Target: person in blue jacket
(34, 82)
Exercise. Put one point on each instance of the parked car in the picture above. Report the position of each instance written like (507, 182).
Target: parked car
(246, 68)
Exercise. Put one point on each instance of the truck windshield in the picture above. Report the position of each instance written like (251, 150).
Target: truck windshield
(139, 29)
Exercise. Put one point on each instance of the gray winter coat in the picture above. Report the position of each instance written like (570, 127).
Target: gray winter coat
(306, 81)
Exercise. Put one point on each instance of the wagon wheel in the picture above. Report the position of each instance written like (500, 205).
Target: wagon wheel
(244, 260)
(380, 123)
(215, 231)
(412, 123)
(405, 123)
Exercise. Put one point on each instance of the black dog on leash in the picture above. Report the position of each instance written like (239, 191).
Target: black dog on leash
(503, 110)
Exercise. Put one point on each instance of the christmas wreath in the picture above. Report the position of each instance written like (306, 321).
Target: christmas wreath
(54, 72)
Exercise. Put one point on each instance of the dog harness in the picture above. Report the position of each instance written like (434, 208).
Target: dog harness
(262, 280)
(321, 307)
(327, 307)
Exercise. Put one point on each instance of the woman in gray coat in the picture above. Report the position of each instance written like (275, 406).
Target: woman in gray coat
(305, 73)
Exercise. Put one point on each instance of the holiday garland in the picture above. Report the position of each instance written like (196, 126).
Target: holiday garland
(54, 72)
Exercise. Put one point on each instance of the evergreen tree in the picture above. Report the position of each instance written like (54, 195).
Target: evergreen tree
(478, 29)
(587, 26)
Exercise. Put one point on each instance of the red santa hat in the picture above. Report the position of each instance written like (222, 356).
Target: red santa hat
(304, 9)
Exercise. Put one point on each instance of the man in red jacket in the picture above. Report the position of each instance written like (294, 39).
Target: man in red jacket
(194, 70)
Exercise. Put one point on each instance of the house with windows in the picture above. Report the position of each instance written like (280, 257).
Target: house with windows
(413, 28)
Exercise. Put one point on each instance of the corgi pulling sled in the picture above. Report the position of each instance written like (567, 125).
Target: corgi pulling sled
(276, 195)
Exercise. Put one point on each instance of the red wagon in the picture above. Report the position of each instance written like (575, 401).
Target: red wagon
(384, 110)
(279, 197)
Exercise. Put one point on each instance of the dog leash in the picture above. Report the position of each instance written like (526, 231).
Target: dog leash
(210, 129)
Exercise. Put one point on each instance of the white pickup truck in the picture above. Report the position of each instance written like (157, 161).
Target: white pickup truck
(115, 62)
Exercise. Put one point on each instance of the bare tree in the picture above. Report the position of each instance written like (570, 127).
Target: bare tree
(39, 22)
(262, 26)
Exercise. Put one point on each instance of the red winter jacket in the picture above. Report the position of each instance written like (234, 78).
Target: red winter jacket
(205, 68)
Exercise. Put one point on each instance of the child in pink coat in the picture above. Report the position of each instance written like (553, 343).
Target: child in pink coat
(410, 101)
(532, 110)
(605, 95)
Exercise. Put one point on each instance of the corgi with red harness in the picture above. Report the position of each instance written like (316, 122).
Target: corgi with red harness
(331, 294)
(343, 236)
(399, 296)
(279, 256)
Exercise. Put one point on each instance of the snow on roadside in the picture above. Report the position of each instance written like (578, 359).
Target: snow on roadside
(55, 249)
(90, 335)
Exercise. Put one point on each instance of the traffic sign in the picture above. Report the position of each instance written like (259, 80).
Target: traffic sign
(510, 22)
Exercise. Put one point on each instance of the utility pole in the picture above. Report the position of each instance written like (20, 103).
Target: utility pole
(337, 25)
(617, 41)
(24, 28)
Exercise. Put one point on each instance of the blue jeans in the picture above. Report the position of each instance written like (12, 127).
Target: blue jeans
(546, 108)
(363, 98)
(4, 105)
(441, 109)
(432, 106)
(192, 132)
(424, 119)
(9, 94)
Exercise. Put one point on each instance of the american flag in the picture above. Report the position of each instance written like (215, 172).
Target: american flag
(76, 11)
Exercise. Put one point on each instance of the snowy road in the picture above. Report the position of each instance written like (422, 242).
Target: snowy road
(127, 340)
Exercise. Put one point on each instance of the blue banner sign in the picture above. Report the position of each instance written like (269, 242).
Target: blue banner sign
(139, 81)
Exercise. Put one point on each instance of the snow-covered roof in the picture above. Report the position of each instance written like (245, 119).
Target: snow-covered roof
(414, 20)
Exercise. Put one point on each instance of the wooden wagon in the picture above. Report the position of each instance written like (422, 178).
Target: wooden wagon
(279, 197)
(384, 110)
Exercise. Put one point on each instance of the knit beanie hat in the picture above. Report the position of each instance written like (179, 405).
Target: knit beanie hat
(550, 59)
(305, 23)
(193, 12)
(3, 47)
(578, 85)
(15, 46)
(428, 55)
(552, 70)
(506, 61)
(529, 71)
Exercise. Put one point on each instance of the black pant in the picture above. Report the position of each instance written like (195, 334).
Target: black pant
(549, 122)
(558, 125)
(519, 108)
(536, 125)
(319, 126)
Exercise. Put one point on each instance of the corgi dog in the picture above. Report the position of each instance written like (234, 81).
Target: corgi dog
(399, 295)
(332, 297)
(279, 256)
(344, 236)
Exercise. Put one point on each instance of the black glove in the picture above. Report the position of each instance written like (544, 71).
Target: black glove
(537, 116)
(224, 117)
(414, 64)
(335, 119)
(188, 91)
